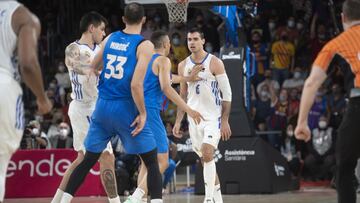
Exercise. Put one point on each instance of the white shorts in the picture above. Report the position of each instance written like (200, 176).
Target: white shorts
(206, 132)
(12, 121)
(80, 114)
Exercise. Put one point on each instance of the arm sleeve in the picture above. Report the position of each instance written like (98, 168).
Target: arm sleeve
(224, 86)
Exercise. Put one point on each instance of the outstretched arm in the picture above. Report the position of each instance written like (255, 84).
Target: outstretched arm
(165, 84)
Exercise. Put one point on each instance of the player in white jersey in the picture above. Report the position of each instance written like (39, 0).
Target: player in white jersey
(204, 96)
(19, 33)
(78, 57)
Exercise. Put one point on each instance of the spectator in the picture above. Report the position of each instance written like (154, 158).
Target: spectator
(320, 162)
(61, 138)
(34, 137)
(289, 149)
(263, 106)
(296, 82)
(62, 77)
(268, 82)
(290, 29)
(179, 50)
(57, 92)
(272, 29)
(302, 9)
(318, 37)
(261, 56)
(282, 56)
(294, 103)
(317, 109)
(278, 118)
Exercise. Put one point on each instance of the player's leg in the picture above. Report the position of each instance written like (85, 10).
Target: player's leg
(79, 122)
(142, 189)
(11, 126)
(210, 142)
(4, 162)
(209, 171)
(157, 127)
(60, 191)
(108, 177)
(95, 142)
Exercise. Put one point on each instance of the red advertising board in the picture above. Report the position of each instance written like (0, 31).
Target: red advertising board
(37, 173)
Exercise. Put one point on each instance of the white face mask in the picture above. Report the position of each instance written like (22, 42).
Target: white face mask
(299, 26)
(271, 25)
(322, 124)
(297, 75)
(176, 41)
(291, 23)
(290, 133)
(64, 133)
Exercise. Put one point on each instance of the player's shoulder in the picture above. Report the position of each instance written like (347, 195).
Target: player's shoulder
(338, 41)
(215, 60)
(163, 59)
(73, 45)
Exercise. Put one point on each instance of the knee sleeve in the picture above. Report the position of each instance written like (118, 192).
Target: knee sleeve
(78, 175)
(154, 176)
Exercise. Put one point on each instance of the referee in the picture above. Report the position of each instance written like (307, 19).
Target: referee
(346, 49)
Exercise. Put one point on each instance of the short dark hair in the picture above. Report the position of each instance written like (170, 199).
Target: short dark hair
(157, 38)
(351, 9)
(91, 18)
(133, 13)
(193, 30)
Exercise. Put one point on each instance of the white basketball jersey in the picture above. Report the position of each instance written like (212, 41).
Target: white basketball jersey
(204, 95)
(8, 40)
(84, 89)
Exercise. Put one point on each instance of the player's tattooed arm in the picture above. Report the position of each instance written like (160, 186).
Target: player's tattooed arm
(72, 59)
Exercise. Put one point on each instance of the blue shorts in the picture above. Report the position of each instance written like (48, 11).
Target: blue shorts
(114, 117)
(158, 129)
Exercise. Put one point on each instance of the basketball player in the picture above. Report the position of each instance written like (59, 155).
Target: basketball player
(204, 96)
(157, 83)
(19, 33)
(120, 108)
(344, 49)
(78, 57)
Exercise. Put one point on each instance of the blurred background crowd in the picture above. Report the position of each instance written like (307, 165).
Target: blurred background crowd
(285, 38)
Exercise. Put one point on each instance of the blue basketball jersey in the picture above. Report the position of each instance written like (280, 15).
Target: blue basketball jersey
(119, 65)
(152, 89)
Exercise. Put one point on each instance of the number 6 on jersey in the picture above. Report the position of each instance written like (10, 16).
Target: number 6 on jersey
(118, 70)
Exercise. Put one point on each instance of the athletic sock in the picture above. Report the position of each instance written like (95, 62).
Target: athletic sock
(156, 201)
(217, 194)
(114, 200)
(138, 194)
(58, 195)
(66, 198)
(209, 179)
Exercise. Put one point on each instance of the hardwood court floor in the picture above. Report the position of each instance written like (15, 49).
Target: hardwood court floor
(305, 196)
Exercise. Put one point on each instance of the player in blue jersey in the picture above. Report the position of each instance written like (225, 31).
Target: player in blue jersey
(158, 82)
(120, 108)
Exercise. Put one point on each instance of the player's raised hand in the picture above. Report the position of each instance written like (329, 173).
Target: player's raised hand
(194, 73)
(225, 131)
(195, 115)
(302, 132)
(44, 105)
(176, 130)
(139, 124)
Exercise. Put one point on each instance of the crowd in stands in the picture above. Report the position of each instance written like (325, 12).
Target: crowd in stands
(285, 38)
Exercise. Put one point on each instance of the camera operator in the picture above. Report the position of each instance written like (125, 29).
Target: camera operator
(33, 137)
